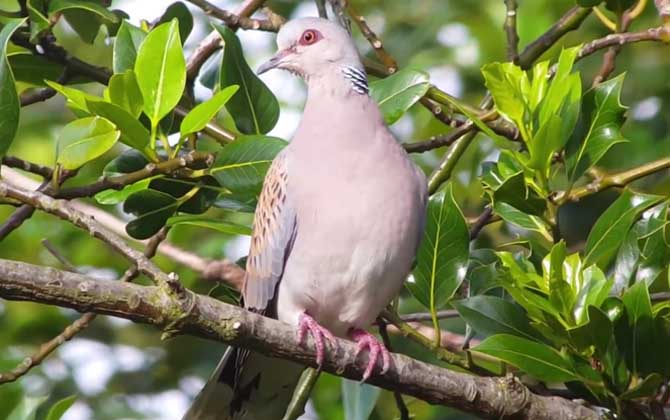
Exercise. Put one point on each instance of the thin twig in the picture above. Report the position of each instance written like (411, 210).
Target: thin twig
(321, 8)
(510, 30)
(568, 22)
(193, 159)
(376, 43)
(235, 20)
(18, 163)
(480, 222)
(212, 42)
(399, 402)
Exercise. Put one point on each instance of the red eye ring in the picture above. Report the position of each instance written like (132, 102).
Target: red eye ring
(310, 37)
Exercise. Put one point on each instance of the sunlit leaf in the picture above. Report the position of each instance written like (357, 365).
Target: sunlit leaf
(222, 226)
(127, 43)
(359, 399)
(60, 407)
(161, 70)
(124, 92)
(9, 99)
(199, 116)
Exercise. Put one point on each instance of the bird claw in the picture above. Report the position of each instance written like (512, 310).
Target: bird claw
(307, 323)
(376, 349)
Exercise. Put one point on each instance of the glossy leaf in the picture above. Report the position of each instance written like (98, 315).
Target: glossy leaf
(85, 24)
(222, 226)
(83, 140)
(127, 43)
(647, 387)
(241, 165)
(161, 71)
(627, 260)
(561, 295)
(133, 133)
(522, 220)
(359, 399)
(595, 288)
(9, 99)
(152, 208)
(124, 92)
(397, 93)
(57, 410)
(612, 226)
(442, 259)
(129, 161)
(179, 11)
(199, 116)
(244, 203)
(113, 197)
(654, 246)
(490, 315)
(635, 330)
(505, 81)
(254, 108)
(536, 359)
(602, 118)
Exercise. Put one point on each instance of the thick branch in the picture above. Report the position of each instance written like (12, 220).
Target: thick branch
(209, 318)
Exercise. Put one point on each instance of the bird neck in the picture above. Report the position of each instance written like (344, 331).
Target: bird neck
(342, 80)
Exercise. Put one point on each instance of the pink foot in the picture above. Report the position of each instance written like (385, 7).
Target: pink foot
(365, 339)
(307, 323)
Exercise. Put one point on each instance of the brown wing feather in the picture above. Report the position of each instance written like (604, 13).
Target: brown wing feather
(273, 232)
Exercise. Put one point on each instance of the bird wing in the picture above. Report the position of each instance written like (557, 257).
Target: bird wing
(274, 230)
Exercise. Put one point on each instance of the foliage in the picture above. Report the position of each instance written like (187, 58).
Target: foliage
(561, 282)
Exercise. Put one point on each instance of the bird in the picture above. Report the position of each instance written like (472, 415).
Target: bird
(336, 229)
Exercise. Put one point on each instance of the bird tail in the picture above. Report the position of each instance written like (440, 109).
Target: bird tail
(246, 386)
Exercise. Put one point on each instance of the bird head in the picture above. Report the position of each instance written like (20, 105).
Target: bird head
(311, 47)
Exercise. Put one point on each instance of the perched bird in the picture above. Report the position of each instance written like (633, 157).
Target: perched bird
(336, 229)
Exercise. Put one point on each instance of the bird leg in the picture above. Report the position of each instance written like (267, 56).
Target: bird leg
(376, 349)
(307, 323)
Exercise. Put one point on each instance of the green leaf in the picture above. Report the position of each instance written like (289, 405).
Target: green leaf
(506, 83)
(129, 161)
(127, 43)
(254, 108)
(133, 133)
(242, 164)
(124, 92)
(490, 315)
(536, 359)
(561, 295)
(83, 140)
(39, 23)
(627, 260)
(593, 289)
(222, 226)
(244, 203)
(199, 116)
(602, 118)
(33, 69)
(523, 220)
(612, 226)
(9, 99)
(648, 387)
(654, 246)
(546, 141)
(27, 408)
(76, 99)
(635, 331)
(597, 332)
(60, 407)
(398, 92)
(442, 259)
(161, 71)
(515, 191)
(359, 399)
(56, 6)
(113, 197)
(152, 208)
(179, 11)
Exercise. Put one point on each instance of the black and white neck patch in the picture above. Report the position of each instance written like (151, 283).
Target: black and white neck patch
(358, 79)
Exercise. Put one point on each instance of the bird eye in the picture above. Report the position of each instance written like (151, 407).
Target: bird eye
(309, 37)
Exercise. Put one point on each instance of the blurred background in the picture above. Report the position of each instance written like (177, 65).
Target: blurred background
(120, 370)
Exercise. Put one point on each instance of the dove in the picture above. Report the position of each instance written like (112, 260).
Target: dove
(336, 229)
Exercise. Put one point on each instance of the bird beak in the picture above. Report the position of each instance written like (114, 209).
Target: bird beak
(275, 61)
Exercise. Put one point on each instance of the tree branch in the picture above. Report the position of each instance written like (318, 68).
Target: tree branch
(235, 20)
(620, 179)
(511, 31)
(378, 46)
(568, 22)
(209, 318)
